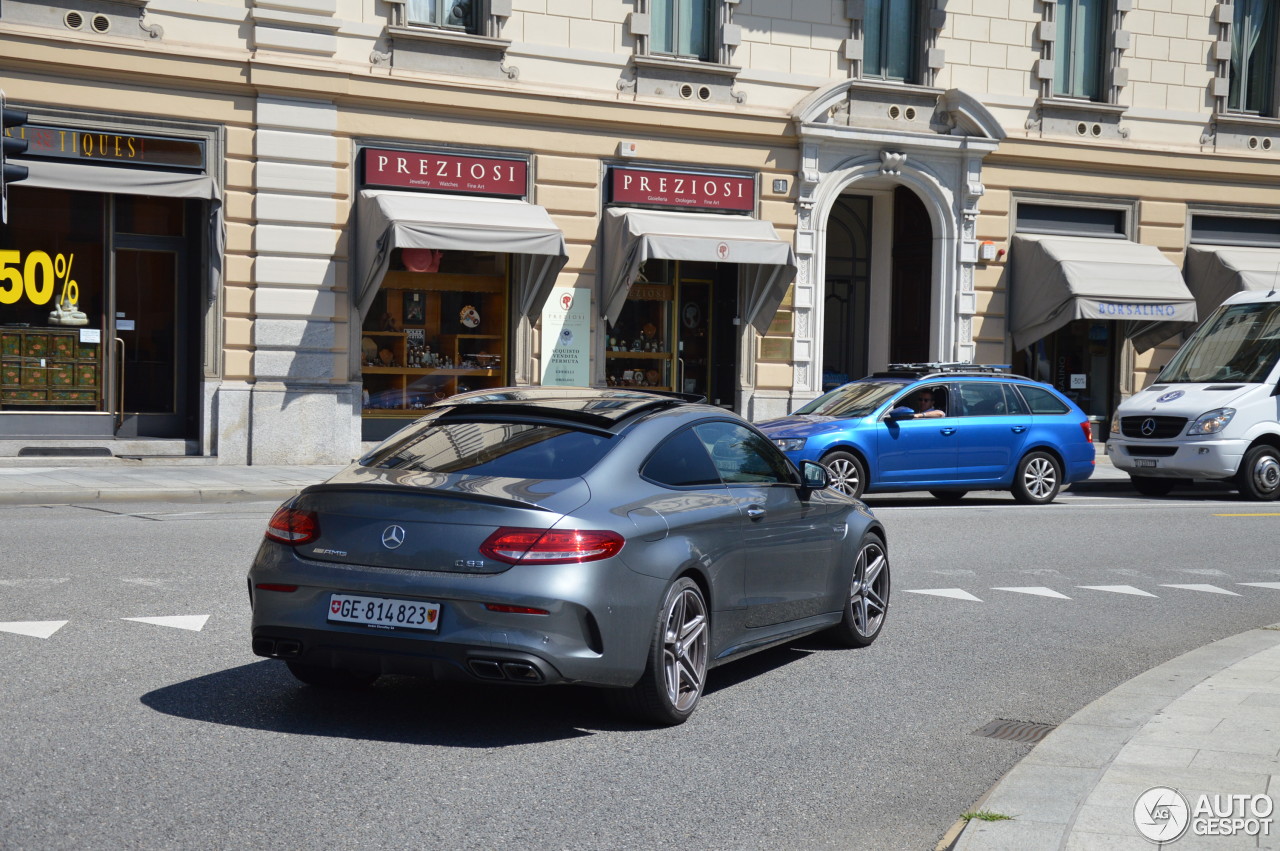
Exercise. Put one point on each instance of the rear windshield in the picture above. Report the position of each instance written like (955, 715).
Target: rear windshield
(858, 399)
(1239, 342)
(506, 450)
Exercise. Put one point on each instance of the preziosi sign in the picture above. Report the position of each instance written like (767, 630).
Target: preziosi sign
(67, 143)
(446, 172)
(692, 190)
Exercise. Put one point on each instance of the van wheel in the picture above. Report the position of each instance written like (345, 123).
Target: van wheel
(1037, 480)
(1259, 475)
(846, 473)
(1151, 486)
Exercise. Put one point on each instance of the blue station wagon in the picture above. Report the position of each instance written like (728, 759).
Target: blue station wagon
(986, 429)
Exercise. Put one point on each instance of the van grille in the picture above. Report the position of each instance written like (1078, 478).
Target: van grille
(1158, 428)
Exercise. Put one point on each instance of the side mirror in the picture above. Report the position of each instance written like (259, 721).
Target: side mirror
(814, 475)
(901, 412)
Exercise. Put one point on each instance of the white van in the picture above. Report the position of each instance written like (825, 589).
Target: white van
(1214, 411)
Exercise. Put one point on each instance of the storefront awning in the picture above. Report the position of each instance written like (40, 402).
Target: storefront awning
(1213, 273)
(118, 180)
(634, 236)
(387, 219)
(1060, 278)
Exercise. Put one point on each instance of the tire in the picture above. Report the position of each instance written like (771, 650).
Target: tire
(868, 604)
(676, 673)
(330, 678)
(1151, 486)
(1038, 479)
(847, 473)
(948, 496)
(1259, 475)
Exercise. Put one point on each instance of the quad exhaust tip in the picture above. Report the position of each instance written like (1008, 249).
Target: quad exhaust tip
(490, 669)
(277, 648)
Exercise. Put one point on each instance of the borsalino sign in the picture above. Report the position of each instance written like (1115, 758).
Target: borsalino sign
(68, 143)
(660, 188)
(446, 172)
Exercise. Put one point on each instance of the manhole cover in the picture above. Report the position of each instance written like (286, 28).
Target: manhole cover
(1015, 731)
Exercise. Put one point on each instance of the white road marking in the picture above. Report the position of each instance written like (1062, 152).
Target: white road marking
(953, 593)
(1118, 589)
(1038, 590)
(1275, 585)
(1208, 589)
(195, 623)
(34, 581)
(37, 629)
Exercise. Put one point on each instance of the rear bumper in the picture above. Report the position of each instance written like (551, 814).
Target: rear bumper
(598, 628)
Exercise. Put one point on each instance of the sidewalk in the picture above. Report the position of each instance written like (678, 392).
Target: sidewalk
(58, 481)
(1205, 723)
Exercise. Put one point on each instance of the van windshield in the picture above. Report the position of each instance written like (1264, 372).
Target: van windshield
(1238, 342)
(852, 400)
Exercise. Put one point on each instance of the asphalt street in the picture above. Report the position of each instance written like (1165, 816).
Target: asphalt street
(129, 731)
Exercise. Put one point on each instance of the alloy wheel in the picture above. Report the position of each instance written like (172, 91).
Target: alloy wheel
(1040, 477)
(845, 476)
(684, 649)
(869, 596)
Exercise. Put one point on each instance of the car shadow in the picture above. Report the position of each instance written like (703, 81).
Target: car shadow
(263, 695)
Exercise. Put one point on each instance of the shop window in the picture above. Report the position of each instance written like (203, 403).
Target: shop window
(439, 326)
(1235, 230)
(891, 40)
(1252, 67)
(147, 215)
(1065, 220)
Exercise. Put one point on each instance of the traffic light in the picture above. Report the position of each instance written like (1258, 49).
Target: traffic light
(10, 172)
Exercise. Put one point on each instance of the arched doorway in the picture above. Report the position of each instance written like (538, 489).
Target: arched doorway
(847, 297)
(910, 313)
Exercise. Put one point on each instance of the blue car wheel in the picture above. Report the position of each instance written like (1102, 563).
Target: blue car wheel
(847, 473)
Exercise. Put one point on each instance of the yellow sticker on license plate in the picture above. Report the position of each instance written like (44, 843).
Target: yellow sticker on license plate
(384, 613)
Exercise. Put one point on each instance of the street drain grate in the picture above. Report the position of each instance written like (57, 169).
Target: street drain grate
(1016, 731)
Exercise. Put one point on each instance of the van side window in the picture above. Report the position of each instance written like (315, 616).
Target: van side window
(1041, 401)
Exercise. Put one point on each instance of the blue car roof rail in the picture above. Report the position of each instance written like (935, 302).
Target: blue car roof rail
(923, 370)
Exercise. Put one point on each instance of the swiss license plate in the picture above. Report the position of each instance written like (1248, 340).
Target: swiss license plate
(1144, 462)
(384, 613)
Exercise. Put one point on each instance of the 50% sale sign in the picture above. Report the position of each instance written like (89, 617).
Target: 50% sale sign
(35, 277)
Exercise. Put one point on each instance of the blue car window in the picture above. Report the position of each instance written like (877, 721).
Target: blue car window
(681, 461)
(1042, 401)
(742, 456)
(1013, 403)
(982, 399)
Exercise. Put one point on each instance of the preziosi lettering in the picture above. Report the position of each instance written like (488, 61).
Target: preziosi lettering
(685, 185)
(448, 169)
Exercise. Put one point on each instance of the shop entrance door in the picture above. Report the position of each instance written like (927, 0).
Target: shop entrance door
(912, 257)
(706, 340)
(151, 342)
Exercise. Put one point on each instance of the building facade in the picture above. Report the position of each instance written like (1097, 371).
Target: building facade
(271, 232)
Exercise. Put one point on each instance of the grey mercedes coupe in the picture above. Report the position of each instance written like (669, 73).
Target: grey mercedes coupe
(541, 535)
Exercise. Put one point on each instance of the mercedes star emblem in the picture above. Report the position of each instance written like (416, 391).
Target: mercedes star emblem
(1148, 427)
(392, 537)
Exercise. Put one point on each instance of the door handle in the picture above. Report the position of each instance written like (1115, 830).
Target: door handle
(1019, 429)
(755, 512)
(949, 430)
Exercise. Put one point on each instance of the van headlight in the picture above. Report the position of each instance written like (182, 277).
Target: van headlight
(790, 444)
(1212, 422)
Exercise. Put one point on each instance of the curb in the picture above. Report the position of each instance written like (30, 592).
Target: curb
(75, 496)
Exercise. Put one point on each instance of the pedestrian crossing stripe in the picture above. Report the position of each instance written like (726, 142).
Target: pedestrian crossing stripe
(953, 593)
(1037, 590)
(1275, 585)
(36, 629)
(1207, 589)
(195, 623)
(1118, 589)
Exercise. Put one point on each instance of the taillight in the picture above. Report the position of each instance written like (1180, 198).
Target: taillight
(1087, 428)
(541, 546)
(293, 526)
(276, 586)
